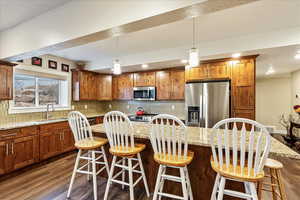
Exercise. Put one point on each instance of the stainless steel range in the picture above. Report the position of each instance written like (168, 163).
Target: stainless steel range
(141, 118)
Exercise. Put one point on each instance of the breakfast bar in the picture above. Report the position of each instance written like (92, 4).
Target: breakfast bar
(201, 174)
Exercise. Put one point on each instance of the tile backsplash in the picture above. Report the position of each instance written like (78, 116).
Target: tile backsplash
(176, 108)
(93, 107)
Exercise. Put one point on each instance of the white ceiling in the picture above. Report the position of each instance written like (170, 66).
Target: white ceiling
(14, 12)
(172, 41)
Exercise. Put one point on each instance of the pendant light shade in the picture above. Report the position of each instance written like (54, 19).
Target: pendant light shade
(117, 67)
(194, 57)
(194, 53)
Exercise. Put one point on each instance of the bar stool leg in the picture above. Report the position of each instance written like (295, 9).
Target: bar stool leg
(130, 179)
(247, 189)
(183, 183)
(273, 181)
(221, 188)
(157, 184)
(111, 172)
(105, 160)
(216, 186)
(143, 174)
(74, 173)
(188, 183)
(253, 191)
(162, 182)
(94, 174)
(123, 173)
(280, 185)
(88, 166)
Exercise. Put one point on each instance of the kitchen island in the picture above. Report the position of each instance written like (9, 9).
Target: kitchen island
(201, 174)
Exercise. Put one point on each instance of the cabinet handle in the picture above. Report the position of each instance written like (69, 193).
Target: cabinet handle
(12, 148)
(8, 135)
(6, 149)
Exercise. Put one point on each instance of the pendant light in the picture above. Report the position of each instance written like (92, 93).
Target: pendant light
(194, 53)
(116, 64)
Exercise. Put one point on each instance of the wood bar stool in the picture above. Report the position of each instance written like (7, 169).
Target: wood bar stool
(119, 131)
(87, 146)
(233, 165)
(169, 141)
(274, 167)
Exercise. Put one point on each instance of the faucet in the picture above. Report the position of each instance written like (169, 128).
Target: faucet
(48, 110)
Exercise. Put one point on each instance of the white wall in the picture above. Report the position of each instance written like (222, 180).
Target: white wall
(273, 98)
(296, 87)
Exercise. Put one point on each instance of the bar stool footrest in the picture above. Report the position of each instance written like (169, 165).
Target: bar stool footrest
(237, 194)
(173, 196)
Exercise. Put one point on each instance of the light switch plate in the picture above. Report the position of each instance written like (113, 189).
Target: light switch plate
(173, 107)
(73, 107)
(109, 106)
(85, 106)
(128, 107)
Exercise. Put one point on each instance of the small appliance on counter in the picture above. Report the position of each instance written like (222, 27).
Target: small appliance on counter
(141, 115)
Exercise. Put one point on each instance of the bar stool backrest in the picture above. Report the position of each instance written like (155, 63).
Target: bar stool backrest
(80, 126)
(168, 136)
(229, 147)
(119, 130)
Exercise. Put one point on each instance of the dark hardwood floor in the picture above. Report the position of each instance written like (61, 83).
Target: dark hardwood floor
(50, 181)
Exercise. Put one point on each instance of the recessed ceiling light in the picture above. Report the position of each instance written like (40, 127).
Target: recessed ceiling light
(236, 55)
(297, 56)
(270, 70)
(145, 65)
(184, 61)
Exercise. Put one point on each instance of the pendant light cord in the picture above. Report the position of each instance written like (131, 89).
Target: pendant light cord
(194, 32)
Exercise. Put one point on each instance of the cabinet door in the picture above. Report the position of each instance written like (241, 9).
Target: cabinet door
(178, 84)
(50, 144)
(104, 87)
(243, 84)
(142, 79)
(125, 87)
(163, 85)
(218, 70)
(6, 82)
(115, 91)
(67, 140)
(4, 157)
(197, 73)
(25, 151)
(83, 84)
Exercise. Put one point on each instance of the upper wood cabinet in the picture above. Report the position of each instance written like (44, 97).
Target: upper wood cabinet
(208, 71)
(123, 87)
(6, 81)
(170, 85)
(178, 84)
(142, 79)
(104, 89)
(91, 86)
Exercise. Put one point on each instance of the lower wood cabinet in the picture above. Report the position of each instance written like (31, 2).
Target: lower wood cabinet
(19, 151)
(55, 139)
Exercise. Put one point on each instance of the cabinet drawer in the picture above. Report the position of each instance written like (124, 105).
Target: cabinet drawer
(10, 134)
(46, 128)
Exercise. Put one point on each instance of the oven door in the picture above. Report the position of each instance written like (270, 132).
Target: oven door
(144, 93)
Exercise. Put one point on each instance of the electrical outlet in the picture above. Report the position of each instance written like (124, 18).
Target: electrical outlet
(173, 107)
(109, 106)
(128, 107)
(73, 107)
(85, 106)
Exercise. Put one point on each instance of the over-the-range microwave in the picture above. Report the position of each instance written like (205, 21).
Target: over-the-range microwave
(144, 93)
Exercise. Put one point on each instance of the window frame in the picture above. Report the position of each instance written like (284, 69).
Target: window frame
(30, 71)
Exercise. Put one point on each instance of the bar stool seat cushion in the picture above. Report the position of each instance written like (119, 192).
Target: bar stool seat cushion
(176, 161)
(274, 164)
(127, 151)
(88, 144)
(237, 174)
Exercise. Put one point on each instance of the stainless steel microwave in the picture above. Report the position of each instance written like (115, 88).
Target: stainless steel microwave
(144, 93)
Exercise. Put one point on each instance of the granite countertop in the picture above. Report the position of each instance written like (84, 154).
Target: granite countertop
(41, 122)
(200, 136)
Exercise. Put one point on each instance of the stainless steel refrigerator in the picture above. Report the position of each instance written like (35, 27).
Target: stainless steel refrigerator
(207, 103)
